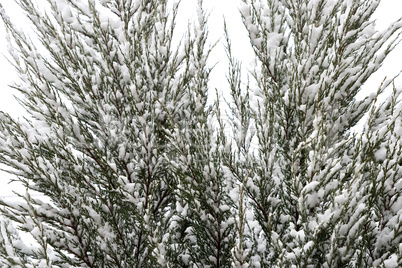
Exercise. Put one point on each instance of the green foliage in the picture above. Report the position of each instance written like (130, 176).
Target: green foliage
(137, 169)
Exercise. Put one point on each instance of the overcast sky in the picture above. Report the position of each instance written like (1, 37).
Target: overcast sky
(388, 11)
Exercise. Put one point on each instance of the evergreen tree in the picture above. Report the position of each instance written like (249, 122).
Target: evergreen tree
(103, 102)
(136, 167)
(322, 195)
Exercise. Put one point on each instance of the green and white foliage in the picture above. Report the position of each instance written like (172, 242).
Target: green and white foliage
(318, 197)
(100, 99)
(136, 168)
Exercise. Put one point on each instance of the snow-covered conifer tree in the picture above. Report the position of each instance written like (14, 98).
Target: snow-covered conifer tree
(137, 170)
(321, 194)
(105, 85)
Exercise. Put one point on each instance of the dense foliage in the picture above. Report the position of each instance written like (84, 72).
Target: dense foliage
(138, 169)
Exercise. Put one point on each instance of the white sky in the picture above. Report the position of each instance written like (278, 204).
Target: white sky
(388, 11)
